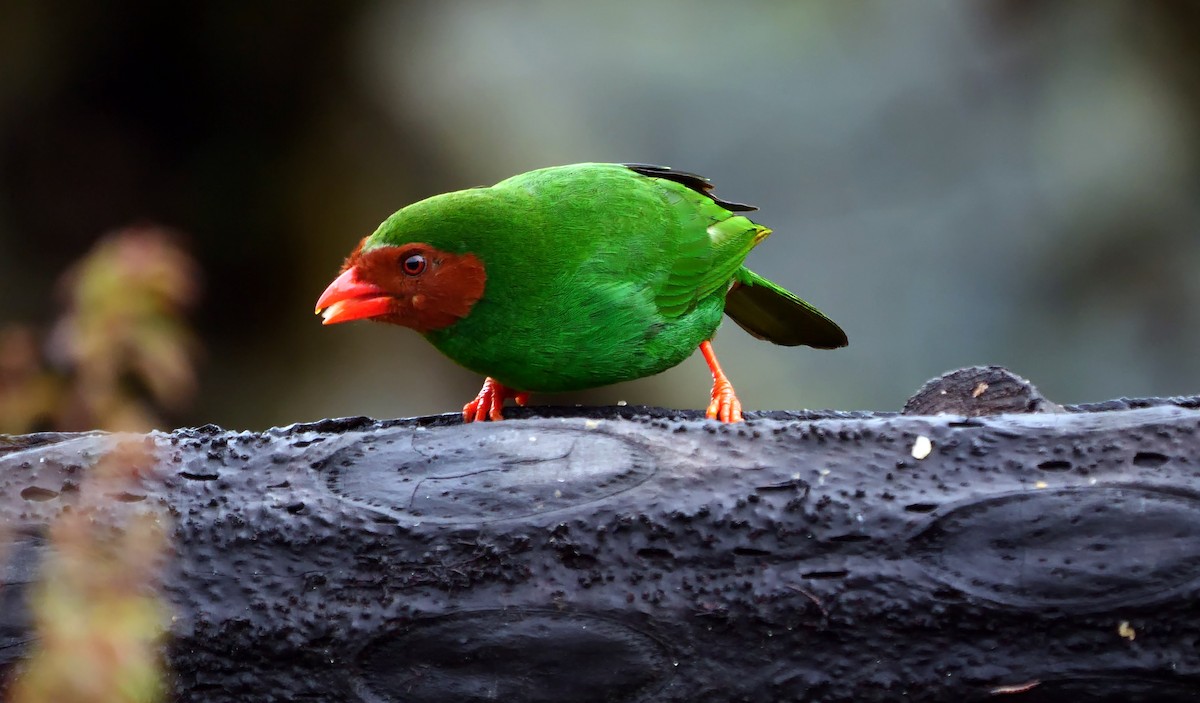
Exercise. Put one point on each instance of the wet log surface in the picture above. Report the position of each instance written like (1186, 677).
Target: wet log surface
(634, 554)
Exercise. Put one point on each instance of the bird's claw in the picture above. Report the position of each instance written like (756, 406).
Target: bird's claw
(488, 405)
(724, 406)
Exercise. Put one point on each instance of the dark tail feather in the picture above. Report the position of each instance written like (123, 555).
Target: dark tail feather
(769, 312)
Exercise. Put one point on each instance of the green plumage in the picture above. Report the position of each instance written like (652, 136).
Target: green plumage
(599, 273)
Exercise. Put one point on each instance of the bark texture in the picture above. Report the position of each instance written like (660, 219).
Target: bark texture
(639, 554)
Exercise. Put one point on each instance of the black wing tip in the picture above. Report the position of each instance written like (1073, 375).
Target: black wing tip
(835, 342)
(831, 336)
(694, 181)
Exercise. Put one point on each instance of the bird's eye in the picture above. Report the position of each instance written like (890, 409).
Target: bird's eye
(413, 264)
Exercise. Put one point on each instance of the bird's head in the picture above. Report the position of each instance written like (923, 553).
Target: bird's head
(414, 284)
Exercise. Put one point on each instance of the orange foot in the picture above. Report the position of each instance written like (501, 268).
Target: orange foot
(724, 406)
(490, 401)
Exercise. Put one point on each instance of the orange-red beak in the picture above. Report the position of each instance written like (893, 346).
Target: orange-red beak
(348, 298)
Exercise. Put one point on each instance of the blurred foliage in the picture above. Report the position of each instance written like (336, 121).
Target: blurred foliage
(120, 353)
(99, 619)
(121, 349)
(27, 391)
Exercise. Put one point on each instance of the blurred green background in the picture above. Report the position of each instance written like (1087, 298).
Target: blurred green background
(999, 181)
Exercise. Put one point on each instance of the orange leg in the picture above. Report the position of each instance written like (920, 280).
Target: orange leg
(490, 401)
(724, 406)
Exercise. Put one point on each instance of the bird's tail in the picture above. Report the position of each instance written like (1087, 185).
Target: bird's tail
(769, 312)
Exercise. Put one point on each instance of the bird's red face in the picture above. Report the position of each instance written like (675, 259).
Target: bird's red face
(415, 285)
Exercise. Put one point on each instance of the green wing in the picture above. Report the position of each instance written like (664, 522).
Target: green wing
(713, 243)
(706, 262)
(769, 312)
(710, 244)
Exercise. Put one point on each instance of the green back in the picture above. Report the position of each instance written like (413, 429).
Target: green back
(595, 273)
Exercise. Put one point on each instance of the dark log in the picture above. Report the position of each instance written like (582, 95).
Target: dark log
(638, 554)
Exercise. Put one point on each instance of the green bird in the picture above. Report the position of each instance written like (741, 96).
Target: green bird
(573, 277)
